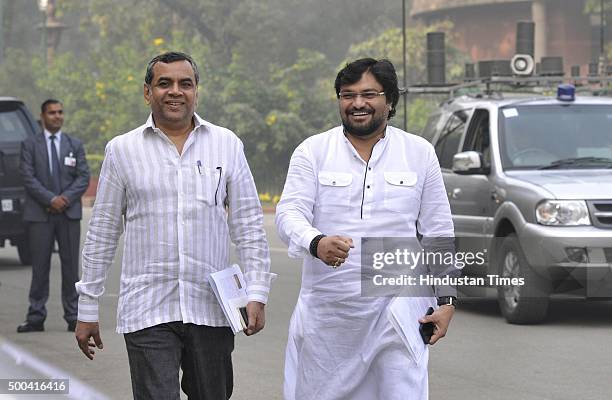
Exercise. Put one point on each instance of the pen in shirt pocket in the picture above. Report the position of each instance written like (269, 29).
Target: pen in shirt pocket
(199, 165)
(220, 169)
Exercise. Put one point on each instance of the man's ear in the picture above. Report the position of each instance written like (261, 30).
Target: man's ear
(147, 94)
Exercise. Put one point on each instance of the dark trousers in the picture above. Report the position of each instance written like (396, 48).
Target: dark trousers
(204, 353)
(42, 236)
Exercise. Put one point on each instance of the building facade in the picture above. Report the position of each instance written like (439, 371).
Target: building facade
(486, 29)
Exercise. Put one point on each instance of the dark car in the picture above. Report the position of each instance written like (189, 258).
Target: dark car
(16, 124)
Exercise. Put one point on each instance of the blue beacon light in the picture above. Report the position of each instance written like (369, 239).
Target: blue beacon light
(566, 92)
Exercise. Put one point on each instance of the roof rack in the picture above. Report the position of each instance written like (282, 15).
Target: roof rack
(597, 86)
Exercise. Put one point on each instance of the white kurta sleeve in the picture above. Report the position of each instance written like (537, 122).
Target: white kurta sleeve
(294, 212)
(435, 223)
(434, 218)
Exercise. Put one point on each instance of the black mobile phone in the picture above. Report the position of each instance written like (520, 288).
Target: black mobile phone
(427, 330)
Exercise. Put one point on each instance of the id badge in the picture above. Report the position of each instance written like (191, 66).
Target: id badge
(70, 161)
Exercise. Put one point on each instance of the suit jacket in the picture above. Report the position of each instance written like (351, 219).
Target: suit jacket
(34, 168)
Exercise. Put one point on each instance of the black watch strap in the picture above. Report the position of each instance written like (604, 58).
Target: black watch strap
(314, 244)
(447, 300)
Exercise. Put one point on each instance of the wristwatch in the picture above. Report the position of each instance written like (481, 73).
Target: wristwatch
(447, 300)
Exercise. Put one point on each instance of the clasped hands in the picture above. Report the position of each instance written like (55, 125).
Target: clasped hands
(58, 204)
(333, 250)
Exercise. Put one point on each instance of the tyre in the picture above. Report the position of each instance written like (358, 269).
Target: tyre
(23, 249)
(520, 304)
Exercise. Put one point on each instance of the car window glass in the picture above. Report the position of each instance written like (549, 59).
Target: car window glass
(478, 136)
(448, 144)
(13, 126)
(536, 136)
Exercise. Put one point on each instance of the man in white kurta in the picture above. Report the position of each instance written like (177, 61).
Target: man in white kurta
(363, 178)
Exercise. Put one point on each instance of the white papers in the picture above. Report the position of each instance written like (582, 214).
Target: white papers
(404, 314)
(230, 288)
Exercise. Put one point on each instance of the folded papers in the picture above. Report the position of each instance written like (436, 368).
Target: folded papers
(230, 288)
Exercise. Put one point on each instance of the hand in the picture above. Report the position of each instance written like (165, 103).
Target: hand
(441, 319)
(257, 317)
(333, 250)
(85, 331)
(65, 200)
(58, 204)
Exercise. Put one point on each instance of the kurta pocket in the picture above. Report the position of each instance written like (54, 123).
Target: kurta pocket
(401, 192)
(334, 191)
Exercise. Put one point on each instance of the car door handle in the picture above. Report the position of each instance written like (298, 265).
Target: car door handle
(455, 193)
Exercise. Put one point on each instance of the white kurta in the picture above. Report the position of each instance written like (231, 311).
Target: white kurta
(341, 345)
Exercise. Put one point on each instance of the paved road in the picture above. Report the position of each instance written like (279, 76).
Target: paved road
(568, 358)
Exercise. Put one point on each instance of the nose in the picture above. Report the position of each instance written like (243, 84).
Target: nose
(358, 102)
(175, 89)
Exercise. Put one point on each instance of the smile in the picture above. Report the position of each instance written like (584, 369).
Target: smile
(360, 113)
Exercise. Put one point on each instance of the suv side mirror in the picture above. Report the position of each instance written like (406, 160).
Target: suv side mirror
(469, 163)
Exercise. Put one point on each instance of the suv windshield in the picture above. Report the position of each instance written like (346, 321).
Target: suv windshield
(13, 124)
(556, 136)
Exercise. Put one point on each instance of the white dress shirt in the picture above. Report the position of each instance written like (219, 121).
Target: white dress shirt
(335, 334)
(58, 139)
(177, 230)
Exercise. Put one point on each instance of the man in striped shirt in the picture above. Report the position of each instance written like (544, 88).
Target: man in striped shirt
(181, 189)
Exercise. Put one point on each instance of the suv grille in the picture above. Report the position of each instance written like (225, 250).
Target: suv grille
(601, 213)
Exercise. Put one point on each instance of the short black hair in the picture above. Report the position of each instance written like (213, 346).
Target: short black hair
(167, 58)
(48, 102)
(382, 70)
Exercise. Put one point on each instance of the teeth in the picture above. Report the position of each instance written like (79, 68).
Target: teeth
(360, 113)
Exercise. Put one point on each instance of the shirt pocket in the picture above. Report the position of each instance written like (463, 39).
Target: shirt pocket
(334, 190)
(207, 186)
(401, 192)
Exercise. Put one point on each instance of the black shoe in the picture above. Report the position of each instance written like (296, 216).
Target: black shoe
(30, 327)
(72, 326)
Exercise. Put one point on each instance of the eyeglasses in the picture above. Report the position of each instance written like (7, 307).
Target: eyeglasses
(350, 96)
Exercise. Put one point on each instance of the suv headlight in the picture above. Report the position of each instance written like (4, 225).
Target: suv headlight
(563, 213)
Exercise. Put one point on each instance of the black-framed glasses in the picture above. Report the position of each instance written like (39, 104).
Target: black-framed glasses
(350, 96)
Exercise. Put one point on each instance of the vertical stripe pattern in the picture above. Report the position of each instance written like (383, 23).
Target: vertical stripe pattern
(177, 231)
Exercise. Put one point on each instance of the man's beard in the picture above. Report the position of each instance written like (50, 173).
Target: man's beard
(363, 130)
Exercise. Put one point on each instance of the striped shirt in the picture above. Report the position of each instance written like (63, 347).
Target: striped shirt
(177, 229)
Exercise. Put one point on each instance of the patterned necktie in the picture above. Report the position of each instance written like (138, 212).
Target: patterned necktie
(55, 171)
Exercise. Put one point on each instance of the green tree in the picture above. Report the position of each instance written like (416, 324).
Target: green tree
(267, 68)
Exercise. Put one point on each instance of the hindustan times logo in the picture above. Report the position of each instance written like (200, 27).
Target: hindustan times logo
(430, 280)
(411, 259)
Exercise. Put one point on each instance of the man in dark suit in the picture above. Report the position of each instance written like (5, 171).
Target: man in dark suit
(55, 175)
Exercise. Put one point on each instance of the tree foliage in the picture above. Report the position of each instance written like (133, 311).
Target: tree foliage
(267, 67)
